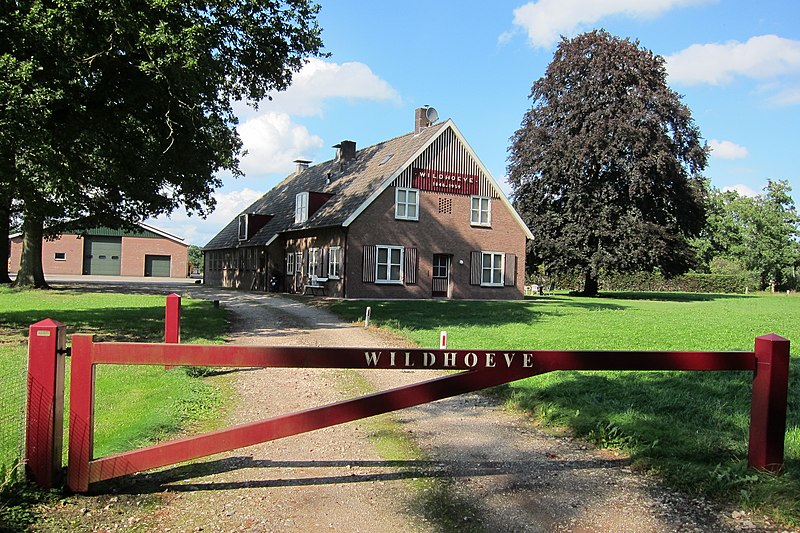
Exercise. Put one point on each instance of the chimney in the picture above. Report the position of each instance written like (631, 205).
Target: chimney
(345, 151)
(302, 164)
(424, 117)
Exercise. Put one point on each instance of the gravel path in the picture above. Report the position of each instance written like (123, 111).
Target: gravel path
(510, 476)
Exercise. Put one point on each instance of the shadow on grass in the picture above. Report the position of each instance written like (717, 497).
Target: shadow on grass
(671, 296)
(120, 323)
(420, 314)
(695, 421)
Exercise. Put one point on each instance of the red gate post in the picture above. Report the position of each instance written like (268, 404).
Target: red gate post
(172, 320)
(768, 407)
(44, 432)
(81, 413)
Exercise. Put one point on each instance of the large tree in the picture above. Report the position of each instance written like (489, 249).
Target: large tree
(128, 106)
(606, 166)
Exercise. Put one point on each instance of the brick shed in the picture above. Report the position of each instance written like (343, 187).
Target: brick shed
(147, 251)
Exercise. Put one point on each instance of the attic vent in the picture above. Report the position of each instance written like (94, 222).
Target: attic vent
(386, 159)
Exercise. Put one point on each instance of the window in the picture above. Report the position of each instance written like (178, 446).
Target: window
(334, 261)
(243, 227)
(290, 263)
(481, 212)
(301, 207)
(313, 261)
(440, 263)
(492, 269)
(406, 205)
(60, 256)
(298, 262)
(389, 264)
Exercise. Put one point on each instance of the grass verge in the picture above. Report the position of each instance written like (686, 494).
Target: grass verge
(434, 499)
(135, 405)
(690, 428)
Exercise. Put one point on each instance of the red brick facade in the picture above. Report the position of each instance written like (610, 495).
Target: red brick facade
(417, 217)
(65, 255)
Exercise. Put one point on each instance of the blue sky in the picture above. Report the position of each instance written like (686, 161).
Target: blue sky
(736, 63)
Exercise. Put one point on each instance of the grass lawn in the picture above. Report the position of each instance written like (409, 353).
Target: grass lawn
(134, 404)
(691, 428)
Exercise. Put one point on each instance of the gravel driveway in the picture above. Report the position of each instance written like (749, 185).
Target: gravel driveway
(507, 474)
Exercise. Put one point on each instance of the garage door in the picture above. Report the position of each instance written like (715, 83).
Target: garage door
(157, 266)
(102, 255)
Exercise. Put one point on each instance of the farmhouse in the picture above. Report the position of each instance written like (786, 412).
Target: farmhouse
(147, 251)
(417, 216)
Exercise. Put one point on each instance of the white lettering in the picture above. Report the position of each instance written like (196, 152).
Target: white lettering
(373, 358)
(471, 359)
(527, 360)
(391, 358)
(490, 360)
(509, 358)
(450, 358)
(428, 359)
(408, 359)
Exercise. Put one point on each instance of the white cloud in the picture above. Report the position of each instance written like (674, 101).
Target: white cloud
(546, 20)
(727, 149)
(273, 141)
(742, 189)
(195, 230)
(320, 80)
(761, 58)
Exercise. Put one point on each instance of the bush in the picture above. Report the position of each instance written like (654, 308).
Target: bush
(729, 283)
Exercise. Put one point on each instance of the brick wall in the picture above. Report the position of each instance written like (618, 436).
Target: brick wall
(134, 250)
(434, 233)
(71, 246)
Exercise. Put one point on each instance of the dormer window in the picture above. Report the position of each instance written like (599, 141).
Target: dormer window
(301, 207)
(243, 227)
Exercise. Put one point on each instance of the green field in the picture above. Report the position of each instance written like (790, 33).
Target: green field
(691, 428)
(134, 404)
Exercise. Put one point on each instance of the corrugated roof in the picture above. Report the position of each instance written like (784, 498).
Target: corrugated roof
(351, 186)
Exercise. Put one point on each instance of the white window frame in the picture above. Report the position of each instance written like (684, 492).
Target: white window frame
(475, 213)
(388, 264)
(243, 234)
(405, 205)
(301, 207)
(290, 268)
(334, 262)
(313, 262)
(492, 282)
(63, 258)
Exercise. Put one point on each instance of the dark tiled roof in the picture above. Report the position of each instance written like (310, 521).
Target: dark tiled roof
(351, 186)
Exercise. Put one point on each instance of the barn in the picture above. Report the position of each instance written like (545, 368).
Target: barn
(145, 251)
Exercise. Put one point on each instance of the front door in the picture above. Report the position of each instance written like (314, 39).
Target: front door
(440, 282)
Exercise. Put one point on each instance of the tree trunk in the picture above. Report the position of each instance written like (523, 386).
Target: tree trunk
(590, 284)
(5, 244)
(30, 274)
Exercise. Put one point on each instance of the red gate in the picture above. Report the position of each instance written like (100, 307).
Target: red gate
(481, 368)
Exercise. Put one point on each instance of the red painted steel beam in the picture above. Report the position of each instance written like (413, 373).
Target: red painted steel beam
(403, 359)
(300, 422)
(769, 403)
(44, 427)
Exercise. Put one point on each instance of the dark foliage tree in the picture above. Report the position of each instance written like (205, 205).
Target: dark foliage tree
(120, 111)
(606, 165)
